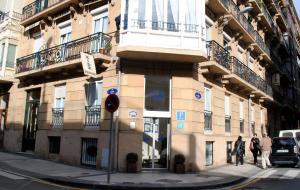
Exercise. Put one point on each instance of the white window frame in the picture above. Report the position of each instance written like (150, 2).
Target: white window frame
(240, 54)
(208, 24)
(227, 105)
(241, 106)
(227, 38)
(252, 113)
(207, 89)
(62, 98)
(161, 114)
(98, 14)
(37, 39)
(97, 83)
(65, 28)
(251, 62)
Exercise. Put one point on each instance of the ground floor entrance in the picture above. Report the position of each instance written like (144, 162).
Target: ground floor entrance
(156, 143)
(31, 120)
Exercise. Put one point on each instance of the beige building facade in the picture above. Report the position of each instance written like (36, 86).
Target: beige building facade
(191, 77)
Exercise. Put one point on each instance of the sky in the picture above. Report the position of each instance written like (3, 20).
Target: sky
(297, 6)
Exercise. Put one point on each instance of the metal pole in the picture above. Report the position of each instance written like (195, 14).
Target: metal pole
(110, 147)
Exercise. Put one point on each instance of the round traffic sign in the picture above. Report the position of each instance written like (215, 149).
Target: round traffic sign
(112, 103)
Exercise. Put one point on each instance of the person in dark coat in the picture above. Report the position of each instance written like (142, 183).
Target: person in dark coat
(239, 150)
(255, 147)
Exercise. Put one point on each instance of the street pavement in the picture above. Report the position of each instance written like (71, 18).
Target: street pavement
(277, 178)
(47, 174)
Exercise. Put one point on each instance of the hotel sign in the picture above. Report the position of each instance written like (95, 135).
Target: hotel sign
(88, 64)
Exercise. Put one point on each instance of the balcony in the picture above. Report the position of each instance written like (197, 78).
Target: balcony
(57, 117)
(218, 59)
(40, 9)
(63, 56)
(93, 116)
(260, 7)
(234, 71)
(237, 21)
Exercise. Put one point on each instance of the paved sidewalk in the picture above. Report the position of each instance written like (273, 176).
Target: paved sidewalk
(89, 178)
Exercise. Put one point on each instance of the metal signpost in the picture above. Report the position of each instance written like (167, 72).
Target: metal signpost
(111, 105)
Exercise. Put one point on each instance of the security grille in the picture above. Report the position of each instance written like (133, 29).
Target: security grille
(54, 145)
(88, 152)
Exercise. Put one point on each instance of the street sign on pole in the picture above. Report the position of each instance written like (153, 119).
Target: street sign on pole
(111, 105)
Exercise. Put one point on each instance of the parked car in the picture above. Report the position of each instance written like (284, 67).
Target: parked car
(285, 150)
(291, 133)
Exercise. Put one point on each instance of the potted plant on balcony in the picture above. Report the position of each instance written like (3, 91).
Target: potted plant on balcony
(179, 166)
(108, 48)
(131, 160)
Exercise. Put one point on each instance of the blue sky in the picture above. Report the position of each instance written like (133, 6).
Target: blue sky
(297, 5)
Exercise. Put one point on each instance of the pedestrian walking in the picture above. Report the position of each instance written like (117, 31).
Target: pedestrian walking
(239, 151)
(266, 144)
(255, 147)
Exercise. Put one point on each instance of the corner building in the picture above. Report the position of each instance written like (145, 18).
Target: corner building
(191, 77)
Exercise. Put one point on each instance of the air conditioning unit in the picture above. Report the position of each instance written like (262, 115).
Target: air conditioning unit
(276, 79)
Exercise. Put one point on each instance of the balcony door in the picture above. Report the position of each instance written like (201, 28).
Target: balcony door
(93, 92)
(100, 25)
(58, 107)
(37, 46)
(65, 37)
(31, 119)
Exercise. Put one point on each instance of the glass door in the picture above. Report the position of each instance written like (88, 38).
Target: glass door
(156, 143)
(31, 120)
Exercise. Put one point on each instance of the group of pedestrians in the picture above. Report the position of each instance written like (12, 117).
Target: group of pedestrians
(257, 147)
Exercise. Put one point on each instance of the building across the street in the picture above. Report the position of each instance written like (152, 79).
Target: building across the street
(191, 76)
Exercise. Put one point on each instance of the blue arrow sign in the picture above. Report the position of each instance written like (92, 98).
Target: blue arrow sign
(112, 91)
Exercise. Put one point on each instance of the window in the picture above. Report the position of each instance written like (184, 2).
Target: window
(157, 93)
(11, 56)
(226, 41)
(229, 151)
(54, 145)
(241, 117)
(191, 16)
(252, 119)
(3, 111)
(241, 54)
(89, 151)
(207, 109)
(2, 48)
(250, 62)
(58, 109)
(93, 93)
(101, 22)
(141, 14)
(209, 153)
(65, 37)
(227, 114)
(38, 42)
(59, 99)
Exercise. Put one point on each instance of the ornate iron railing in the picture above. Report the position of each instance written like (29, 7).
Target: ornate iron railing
(207, 120)
(92, 116)
(280, 11)
(64, 52)
(37, 6)
(244, 22)
(216, 52)
(243, 71)
(57, 117)
(267, 14)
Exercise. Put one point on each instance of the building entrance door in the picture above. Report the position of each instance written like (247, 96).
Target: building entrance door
(31, 120)
(156, 143)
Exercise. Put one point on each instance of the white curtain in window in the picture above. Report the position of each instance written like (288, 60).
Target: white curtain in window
(241, 110)
(227, 108)
(191, 12)
(142, 10)
(207, 100)
(173, 11)
(158, 10)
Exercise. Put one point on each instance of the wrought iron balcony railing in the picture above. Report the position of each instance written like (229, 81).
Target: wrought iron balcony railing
(6, 16)
(37, 7)
(64, 52)
(244, 22)
(218, 53)
(92, 116)
(267, 14)
(57, 117)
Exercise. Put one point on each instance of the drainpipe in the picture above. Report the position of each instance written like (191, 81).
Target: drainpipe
(116, 137)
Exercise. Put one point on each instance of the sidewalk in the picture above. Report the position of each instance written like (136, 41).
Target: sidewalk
(89, 178)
